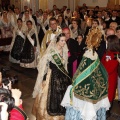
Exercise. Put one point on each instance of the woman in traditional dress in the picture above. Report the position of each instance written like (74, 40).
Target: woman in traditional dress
(26, 17)
(6, 26)
(75, 28)
(43, 26)
(86, 98)
(6, 29)
(61, 22)
(49, 92)
(17, 42)
(31, 48)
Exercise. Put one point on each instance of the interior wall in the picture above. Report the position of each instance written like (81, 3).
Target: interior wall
(50, 4)
(72, 5)
(17, 3)
(61, 3)
(114, 4)
(92, 3)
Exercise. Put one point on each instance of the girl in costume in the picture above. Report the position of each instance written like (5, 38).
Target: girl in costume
(26, 17)
(48, 92)
(75, 28)
(80, 48)
(17, 42)
(86, 98)
(31, 48)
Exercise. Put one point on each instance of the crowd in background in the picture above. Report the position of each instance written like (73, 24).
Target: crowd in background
(76, 25)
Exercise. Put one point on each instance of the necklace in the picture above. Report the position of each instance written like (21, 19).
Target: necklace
(60, 52)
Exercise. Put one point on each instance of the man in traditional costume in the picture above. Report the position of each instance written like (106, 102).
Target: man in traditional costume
(50, 34)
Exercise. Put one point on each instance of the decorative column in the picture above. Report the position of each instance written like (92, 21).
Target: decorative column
(43, 4)
(113, 4)
(33, 4)
(68, 3)
(50, 4)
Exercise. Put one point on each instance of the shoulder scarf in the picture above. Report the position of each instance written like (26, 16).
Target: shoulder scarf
(21, 34)
(29, 37)
(82, 76)
(58, 62)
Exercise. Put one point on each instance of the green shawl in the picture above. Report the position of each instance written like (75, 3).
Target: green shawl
(90, 82)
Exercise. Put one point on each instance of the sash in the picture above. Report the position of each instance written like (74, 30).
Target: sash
(58, 62)
(21, 34)
(43, 27)
(87, 72)
(30, 39)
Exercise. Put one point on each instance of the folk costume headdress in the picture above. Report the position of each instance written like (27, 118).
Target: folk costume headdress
(94, 38)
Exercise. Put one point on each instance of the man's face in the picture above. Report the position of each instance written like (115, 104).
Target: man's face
(90, 13)
(113, 26)
(29, 25)
(68, 11)
(53, 25)
(25, 8)
(16, 11)
(67, 33)
(109, 32)
(106, 15)
(60, 19)
(19, 23)
(114, 13)
(54, 7)
(99, 14)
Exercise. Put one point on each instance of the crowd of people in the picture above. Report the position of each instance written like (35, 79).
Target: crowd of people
(77, 54)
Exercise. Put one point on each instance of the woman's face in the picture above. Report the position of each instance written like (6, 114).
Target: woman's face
(118, 33)
(74, 24)
(60, 19)
(51, 14)
(45, 15)
(27, 14)
(61, 42)
(75, 14)
(94, 24)
(104, 25)
(79, 39)
(29, 25)
(37, 13)
(19, 23)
